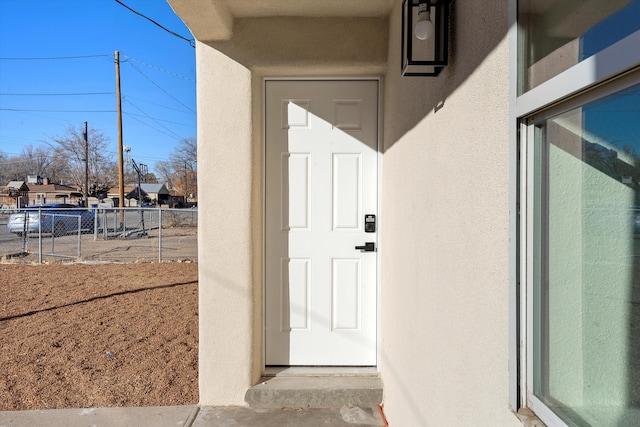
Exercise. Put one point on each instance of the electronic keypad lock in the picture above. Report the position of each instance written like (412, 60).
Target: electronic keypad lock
(369, 223)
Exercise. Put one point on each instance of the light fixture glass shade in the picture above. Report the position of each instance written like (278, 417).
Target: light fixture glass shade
(424, 26)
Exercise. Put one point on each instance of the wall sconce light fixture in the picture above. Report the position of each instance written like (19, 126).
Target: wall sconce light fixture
(425, 37)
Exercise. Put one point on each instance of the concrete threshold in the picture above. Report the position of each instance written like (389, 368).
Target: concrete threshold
(321, 371)
(317, 389)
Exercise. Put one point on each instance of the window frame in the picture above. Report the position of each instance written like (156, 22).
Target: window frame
(611, 70)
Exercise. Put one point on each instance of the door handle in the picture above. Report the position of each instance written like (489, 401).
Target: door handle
(368, 247)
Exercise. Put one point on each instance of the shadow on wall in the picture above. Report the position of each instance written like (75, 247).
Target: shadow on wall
(330, 45)
(476, 29)
(367, 46)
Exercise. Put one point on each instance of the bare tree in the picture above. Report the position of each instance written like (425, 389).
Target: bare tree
(70, 151)
(5, 166)
(37, 161)
(180, 171)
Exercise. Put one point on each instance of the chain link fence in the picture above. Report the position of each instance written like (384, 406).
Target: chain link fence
(38, 235)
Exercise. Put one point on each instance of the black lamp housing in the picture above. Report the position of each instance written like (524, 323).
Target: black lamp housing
(425, 57)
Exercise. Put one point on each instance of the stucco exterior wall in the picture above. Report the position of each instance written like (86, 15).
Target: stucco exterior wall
(227, 297)
(230, 160)
(445, 216)
(444, 219)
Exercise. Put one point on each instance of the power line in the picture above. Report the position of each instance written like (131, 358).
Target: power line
(190, 41)
(55, 111)
(4, 137)
(129, 58)
(158, 68)
(54, 58)
(154, 118)
(17, 159)
(140, 156)
(100, 111)
(159, 87)
(57, 94)
(125, 98)
(157, 121)
(174, 136)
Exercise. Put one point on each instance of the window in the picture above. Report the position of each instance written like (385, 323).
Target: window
(578, 259)
(585, 308)
(557, 34)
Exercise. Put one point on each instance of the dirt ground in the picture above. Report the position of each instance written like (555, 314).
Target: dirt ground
(95, 335)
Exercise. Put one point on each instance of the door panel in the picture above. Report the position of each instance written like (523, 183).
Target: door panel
(321, 179)
(346, 189)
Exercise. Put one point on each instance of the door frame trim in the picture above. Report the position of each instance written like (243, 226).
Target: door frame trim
(379, 251)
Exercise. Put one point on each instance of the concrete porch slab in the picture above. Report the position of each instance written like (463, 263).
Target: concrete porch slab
(336, 417)
(159, 416)
(315, 392)
(193, 416)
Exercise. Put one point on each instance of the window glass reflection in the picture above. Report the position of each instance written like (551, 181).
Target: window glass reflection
(587, 279)
(557, 34)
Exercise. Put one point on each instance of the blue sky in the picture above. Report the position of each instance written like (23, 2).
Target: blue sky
(157, 72)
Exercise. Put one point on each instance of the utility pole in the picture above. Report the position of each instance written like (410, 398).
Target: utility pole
(120, 156)
(86, 164)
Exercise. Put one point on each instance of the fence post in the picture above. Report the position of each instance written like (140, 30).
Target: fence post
(53, 233)
(79, 235)
(40, 235)
(25, 229)
(159, 234)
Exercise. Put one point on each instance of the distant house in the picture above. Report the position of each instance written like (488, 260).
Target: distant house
(114, 194)
(53, 193)
(157, 193)
(36, 192)
(176, 200)
(136, 195)
(14, 195)
(18, 185)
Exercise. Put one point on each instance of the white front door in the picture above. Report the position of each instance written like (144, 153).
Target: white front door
(321, 182)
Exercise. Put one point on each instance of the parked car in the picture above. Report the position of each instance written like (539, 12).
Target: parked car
(54, 218)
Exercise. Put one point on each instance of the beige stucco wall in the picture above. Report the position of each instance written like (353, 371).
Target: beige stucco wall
(227, 297)
(230, 159)
(444, 219)
(445, 287)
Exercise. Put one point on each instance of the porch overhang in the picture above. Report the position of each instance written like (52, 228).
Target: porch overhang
(213, 20)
